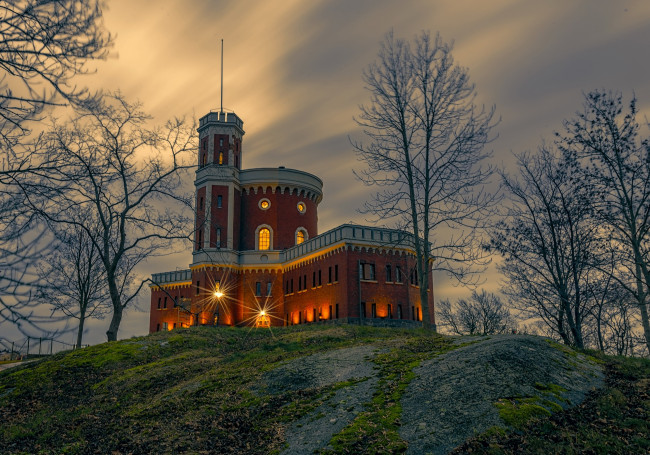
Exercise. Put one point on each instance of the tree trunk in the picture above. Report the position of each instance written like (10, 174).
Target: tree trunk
(80, 331)
(111, 333)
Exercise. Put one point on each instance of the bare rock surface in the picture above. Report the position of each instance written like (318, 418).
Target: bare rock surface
(314, 430)
(452, 396)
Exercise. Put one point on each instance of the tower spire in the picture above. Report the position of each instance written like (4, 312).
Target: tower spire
(221, 108)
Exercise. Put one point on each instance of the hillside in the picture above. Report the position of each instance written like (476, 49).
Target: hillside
(330, 389)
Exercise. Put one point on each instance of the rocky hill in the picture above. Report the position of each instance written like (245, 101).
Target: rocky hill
(322, 389)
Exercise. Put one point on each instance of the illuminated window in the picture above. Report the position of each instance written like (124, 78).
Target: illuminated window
(302, 207)
(264, 204)
(264, 239)
(220, 157)
(300, 236)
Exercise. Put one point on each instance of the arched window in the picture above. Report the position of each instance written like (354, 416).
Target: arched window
(301, 236)
(264, 239)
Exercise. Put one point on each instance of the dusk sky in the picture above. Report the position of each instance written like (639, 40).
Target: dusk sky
(293, 73)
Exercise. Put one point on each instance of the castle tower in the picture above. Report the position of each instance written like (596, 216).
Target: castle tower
(217, 182)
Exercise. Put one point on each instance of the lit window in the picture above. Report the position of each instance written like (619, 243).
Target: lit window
(264, 240)
(264, 204)
(302, 207)
(220, 157)
(300, 237)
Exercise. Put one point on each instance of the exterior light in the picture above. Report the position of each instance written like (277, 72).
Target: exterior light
(218, 294)
(262, 313)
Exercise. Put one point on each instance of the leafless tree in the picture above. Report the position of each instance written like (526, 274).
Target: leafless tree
(44, 44)
(126, 177)
(606, 141)
(549, 243)
(425, 146)
(482, 314)
(72, 277)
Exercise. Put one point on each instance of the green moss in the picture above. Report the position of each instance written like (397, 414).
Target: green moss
(518, 412)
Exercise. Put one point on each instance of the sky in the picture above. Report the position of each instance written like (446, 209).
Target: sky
(293, 73)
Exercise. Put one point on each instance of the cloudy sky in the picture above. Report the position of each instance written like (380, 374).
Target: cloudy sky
(292, 72)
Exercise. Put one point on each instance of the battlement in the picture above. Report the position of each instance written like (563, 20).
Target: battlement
(221, 118)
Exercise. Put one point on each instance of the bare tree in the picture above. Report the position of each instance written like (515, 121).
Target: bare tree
(73, 279)
(44, 44)
(481, 314)
(606, 140)
(549, 243)
(127, 178)
(425, 145)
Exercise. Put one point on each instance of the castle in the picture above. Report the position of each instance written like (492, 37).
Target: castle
(258, 259)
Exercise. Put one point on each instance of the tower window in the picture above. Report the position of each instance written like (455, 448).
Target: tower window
(219, 201)
(264, 239)
(218, 237)
(221, 142)
(336, 273)
(220, 157)
(398, 274)
(264, 204)
(200, 203)
(367, 271)
(301, 236)
(268, 288)
(389, 275)
(258, 288)
(302, 208)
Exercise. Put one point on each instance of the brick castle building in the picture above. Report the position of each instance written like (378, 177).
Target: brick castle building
(258, 259)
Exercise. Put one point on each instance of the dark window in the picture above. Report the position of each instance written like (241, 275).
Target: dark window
(286, 319)
(291, 286)
(157, 327)
(373, 310)
(331, 316)
(200, 242)
(336, 273)
(320, 278)
(219, 201)
(313, 279)
(258, 289)
(268, 288)
(337, 311)
(398, 274)
(367, 271)
(304, 281)
(389, 275)
(390, 311)
(165, 303)
(363, 309)
(159, 300)
(299, 283)
(314, 316)
(220, 142)
(174, 325)
(175, 301)
(399, 311)
(200, 203)
(198, 284)
(300, 318)
(329, 275)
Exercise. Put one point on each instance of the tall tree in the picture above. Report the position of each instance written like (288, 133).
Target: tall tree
(73, 279)
(549, 241)
(128, 179)
(425, 146)
(606, 140)
(44, 44)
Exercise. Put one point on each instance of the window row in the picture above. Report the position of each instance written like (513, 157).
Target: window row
(313, 315)
(264, 237)
(162, 303)
(393, 274)
(316, 279)
(387, 312)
